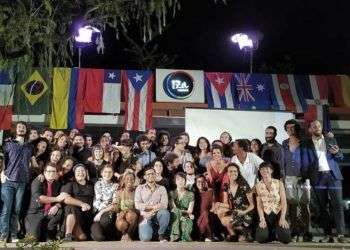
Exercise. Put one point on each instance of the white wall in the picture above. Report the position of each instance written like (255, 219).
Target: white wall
(240, 124)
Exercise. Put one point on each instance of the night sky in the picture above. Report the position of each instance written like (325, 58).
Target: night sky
(314, 34)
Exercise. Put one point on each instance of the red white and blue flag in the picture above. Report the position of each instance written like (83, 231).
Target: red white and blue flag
(6, 101)
(320, 113)
(138, 95)
(288, 94)
(219, 90)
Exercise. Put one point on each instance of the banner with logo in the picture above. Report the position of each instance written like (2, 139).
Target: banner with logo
(174, 85)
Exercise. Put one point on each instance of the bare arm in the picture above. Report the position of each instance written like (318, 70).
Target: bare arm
(251, 203)
(283, 201)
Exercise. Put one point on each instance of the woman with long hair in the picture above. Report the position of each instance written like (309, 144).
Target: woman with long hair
(238, 200)
(158, 167)
(96, 163)
(40, 157)
(202, 154)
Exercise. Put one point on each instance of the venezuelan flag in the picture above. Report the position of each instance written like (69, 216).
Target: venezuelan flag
(66, 111)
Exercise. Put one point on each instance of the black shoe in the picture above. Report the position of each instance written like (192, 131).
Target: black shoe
(342, 239)
(327, 239)
(68, 237)
(307, 237)
(231, 238)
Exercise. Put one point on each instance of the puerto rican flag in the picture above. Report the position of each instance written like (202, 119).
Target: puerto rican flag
(6, 101)
(138, 95)
(288, 94)
(219, 90)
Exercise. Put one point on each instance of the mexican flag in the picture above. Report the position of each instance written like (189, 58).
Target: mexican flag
(33, 93)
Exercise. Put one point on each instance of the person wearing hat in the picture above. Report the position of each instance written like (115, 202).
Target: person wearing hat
(272, 208)
(78, 209)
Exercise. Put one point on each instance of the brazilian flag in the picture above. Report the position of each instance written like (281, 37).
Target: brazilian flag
(33, 94)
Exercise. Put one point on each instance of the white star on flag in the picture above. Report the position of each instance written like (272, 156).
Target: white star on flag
(138, 77)
(219, 80)
(260, 87)
(111, 75)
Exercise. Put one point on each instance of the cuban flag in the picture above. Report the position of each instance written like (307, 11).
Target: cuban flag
(138, 95)
(255, 91)
(219, 90)
(6, 101)
(289, 95)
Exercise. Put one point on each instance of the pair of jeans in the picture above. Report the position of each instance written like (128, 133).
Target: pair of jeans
(12, 196)
(329, 195)
(147, 225)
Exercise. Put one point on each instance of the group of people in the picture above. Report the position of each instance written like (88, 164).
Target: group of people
(161, 188)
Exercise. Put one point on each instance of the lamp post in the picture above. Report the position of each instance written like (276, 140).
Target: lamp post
(247, 42)
(87, 35)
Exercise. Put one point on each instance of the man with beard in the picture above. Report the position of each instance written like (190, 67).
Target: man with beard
(321, 165)
(272, 151)
(14, 178)
(152, 136)
(79, 152)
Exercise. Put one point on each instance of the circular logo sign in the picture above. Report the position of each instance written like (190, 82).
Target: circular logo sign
(34, 87)
(178, 85)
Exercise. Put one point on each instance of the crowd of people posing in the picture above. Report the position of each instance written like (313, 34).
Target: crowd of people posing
(161, 188)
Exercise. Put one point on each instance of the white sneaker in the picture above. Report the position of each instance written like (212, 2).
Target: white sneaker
(207, 240)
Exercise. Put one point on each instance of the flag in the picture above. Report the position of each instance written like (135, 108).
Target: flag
(339, 86)
(6, 101)
(318, 112)
(175, 85)
(219, 90)
(138, 95)
(254, 91)
(99, 90)
(314, 88)
(64, 112)
(33, 95)
(289, 95)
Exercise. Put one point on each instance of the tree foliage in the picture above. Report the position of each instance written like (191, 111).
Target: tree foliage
(40, 32)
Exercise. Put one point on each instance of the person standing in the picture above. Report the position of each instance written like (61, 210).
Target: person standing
(297, 189)
(321, 166)
(14, 178)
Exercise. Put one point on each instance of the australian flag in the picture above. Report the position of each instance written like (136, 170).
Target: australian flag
(254, 91)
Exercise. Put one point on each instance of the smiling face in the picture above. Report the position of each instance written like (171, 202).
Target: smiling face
(150, 176)
(33, 135)
(48, 135)
(269, 135)
(202, 144)
(316, 128)
(129, 180)
(78, 141)
(232, 173)
(98, 153)
(189, 168)
(67, 166)
(225, 138)
(158, 167)
(107, 173)
(254, 146)
(62, 141)
(55, 156)
(201, 183)
(217, 155)
(21, 129)
(180, 181)
(164, 140)
(41, 147)
(265, 172)
(80, 173)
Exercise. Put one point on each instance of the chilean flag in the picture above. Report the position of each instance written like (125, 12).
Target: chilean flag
(138, 95)
(288, 94)
(6, 101)
(219, 90)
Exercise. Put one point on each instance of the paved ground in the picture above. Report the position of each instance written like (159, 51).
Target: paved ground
(200, 246)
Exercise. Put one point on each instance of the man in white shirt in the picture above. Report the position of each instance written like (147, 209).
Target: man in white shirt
(320, 164)
(248, 162)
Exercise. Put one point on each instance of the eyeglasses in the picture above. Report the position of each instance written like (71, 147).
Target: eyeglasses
(50, 171)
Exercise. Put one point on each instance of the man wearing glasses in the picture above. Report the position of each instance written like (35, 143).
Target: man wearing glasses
(151, 200)
(45, 206)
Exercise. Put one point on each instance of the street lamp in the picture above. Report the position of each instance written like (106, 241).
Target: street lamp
(88, 35)
(247, 42)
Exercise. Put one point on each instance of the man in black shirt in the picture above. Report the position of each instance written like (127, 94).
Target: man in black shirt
(45, 206)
